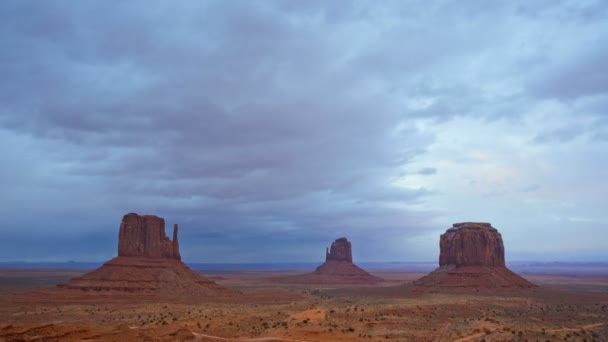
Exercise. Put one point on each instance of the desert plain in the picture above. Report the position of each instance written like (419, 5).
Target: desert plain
(568, 306)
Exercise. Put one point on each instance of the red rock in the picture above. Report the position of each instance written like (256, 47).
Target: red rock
(471, 244)
(167, 278)
(338, 268)
(144, 236)
(341, 250)
(472, 258)
(148, 266)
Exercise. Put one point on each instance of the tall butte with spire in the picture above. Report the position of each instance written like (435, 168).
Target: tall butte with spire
(148, 265)
(341, 250)
(472, 258)
(144, 236)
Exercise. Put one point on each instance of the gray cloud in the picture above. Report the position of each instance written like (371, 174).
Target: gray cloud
(579, 76)
(427, 171)
(263, 121)
(562, 134)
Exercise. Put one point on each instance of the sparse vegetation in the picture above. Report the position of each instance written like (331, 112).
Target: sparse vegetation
(354, 318)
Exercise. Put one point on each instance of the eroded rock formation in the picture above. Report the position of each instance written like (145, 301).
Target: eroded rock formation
(341, 250)
(338, 268)
(144, 236)
(148, 266)
(471, 244)
(472, 257)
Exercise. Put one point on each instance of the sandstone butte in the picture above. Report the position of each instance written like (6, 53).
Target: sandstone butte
(148, 265)
(338, 268)
(472, 258)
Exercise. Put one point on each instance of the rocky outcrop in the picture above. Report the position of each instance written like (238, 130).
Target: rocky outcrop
(472, 258)
(341, 250)
(471, 244)
(148, 267)
(338, 268)
(144, 236)
(147, 277)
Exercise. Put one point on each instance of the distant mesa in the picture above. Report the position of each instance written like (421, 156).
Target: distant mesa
(338, 268)
(472, 257)
(148, 266)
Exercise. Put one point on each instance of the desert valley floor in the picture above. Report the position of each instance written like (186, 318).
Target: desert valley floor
(565, 308)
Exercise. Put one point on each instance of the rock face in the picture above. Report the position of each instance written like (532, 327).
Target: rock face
(472, 258)
(471, 244)
(338, 268)
(341, 250)
(144, 236)
(148, 267)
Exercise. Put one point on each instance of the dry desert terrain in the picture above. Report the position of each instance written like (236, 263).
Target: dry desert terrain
(564, 308)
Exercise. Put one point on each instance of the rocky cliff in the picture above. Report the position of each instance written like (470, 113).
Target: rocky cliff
(341, 250)
(471, 244)
(144, 236)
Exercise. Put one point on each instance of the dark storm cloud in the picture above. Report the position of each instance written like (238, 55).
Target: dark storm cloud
(253, 121)
(212, 113)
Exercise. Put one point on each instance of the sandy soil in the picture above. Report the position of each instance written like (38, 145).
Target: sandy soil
(567, 308)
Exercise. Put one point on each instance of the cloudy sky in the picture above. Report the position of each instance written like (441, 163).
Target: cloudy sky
(267, 129)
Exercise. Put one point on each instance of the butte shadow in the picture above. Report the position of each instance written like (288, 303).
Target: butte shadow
(148, 268)
(338, 269)
(472, 259)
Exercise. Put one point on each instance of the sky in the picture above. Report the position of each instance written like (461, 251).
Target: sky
(267, 129)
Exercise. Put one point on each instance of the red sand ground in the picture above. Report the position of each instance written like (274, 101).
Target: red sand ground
(268, 311)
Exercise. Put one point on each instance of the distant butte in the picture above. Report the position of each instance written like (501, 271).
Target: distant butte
(338, 268)
(472, 257)
(148, 265)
